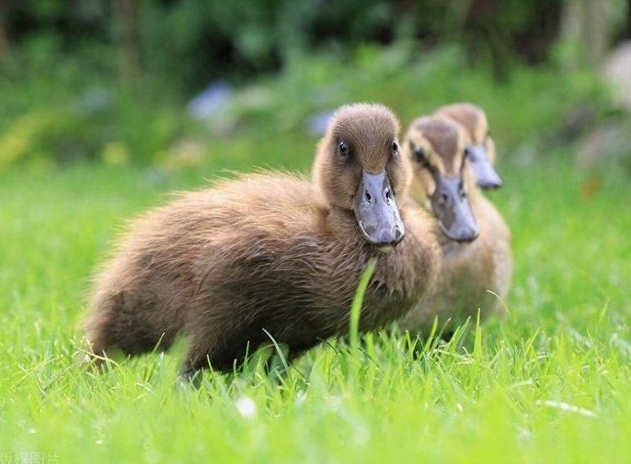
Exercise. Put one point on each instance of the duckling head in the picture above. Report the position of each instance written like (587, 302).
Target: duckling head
(436, 147)
(480, 146)
(359, 169)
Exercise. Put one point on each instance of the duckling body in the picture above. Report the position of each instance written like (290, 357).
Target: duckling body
(475, 274)
(268, 255)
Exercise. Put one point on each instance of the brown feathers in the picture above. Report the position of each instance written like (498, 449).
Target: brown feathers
(474, 122)
(474, 275)
(266, 253)
(443, 141)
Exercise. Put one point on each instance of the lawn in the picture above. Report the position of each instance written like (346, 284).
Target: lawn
(552, 383)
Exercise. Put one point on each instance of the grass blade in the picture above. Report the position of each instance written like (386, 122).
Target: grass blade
(356, 306)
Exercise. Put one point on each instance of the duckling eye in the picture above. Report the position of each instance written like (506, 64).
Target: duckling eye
(343, 149)
(417, 152)
(419, 155)
(395, 147)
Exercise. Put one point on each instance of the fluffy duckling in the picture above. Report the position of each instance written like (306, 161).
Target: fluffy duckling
(480, 148)
(272, 255)
(477, 260)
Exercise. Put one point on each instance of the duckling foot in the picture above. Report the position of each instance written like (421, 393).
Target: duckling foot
(191, 376)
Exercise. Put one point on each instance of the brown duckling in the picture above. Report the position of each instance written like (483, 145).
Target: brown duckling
(477, 259)
(272, 255)
(480, 148)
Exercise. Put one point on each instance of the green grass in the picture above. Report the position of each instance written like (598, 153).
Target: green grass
(552, 383)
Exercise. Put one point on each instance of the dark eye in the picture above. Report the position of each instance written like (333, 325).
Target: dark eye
(395, 147)
(419, 155)
(343, 149)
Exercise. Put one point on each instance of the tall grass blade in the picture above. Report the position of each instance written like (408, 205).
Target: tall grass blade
(356, 306)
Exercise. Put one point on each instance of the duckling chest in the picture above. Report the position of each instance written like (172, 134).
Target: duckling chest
(467, 269)
(310, 282)
(401, 279)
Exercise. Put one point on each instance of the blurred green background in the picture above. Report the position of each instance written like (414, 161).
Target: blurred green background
(107, 105)
(212, 85)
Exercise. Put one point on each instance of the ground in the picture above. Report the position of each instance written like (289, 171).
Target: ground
(549, 384)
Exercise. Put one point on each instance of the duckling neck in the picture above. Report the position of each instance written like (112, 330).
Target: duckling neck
(342, 224)
(401, 276)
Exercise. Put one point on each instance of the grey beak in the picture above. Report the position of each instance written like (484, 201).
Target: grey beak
(485, 174)
(376, 210)
(453, 210)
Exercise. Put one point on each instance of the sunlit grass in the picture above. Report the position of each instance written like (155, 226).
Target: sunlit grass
(549, 384)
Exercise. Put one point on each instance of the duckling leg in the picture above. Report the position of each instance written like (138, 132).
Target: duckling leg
(276, 364)
(224, 347)
(217, 347)
(197, 357)
(201, 356)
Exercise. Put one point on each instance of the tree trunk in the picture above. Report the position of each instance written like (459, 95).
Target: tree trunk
(586, 27)
(127, 36)
(597, 31)
(4, 38)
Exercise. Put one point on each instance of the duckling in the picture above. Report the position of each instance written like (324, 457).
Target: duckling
(481, 148)
(272, 255)
(475, 240)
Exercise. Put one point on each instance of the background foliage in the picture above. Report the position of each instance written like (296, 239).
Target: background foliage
(96, 125)
(109, 80)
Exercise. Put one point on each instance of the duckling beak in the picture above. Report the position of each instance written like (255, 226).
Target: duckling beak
(377, 212)
(453, 211)
(485, 174)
